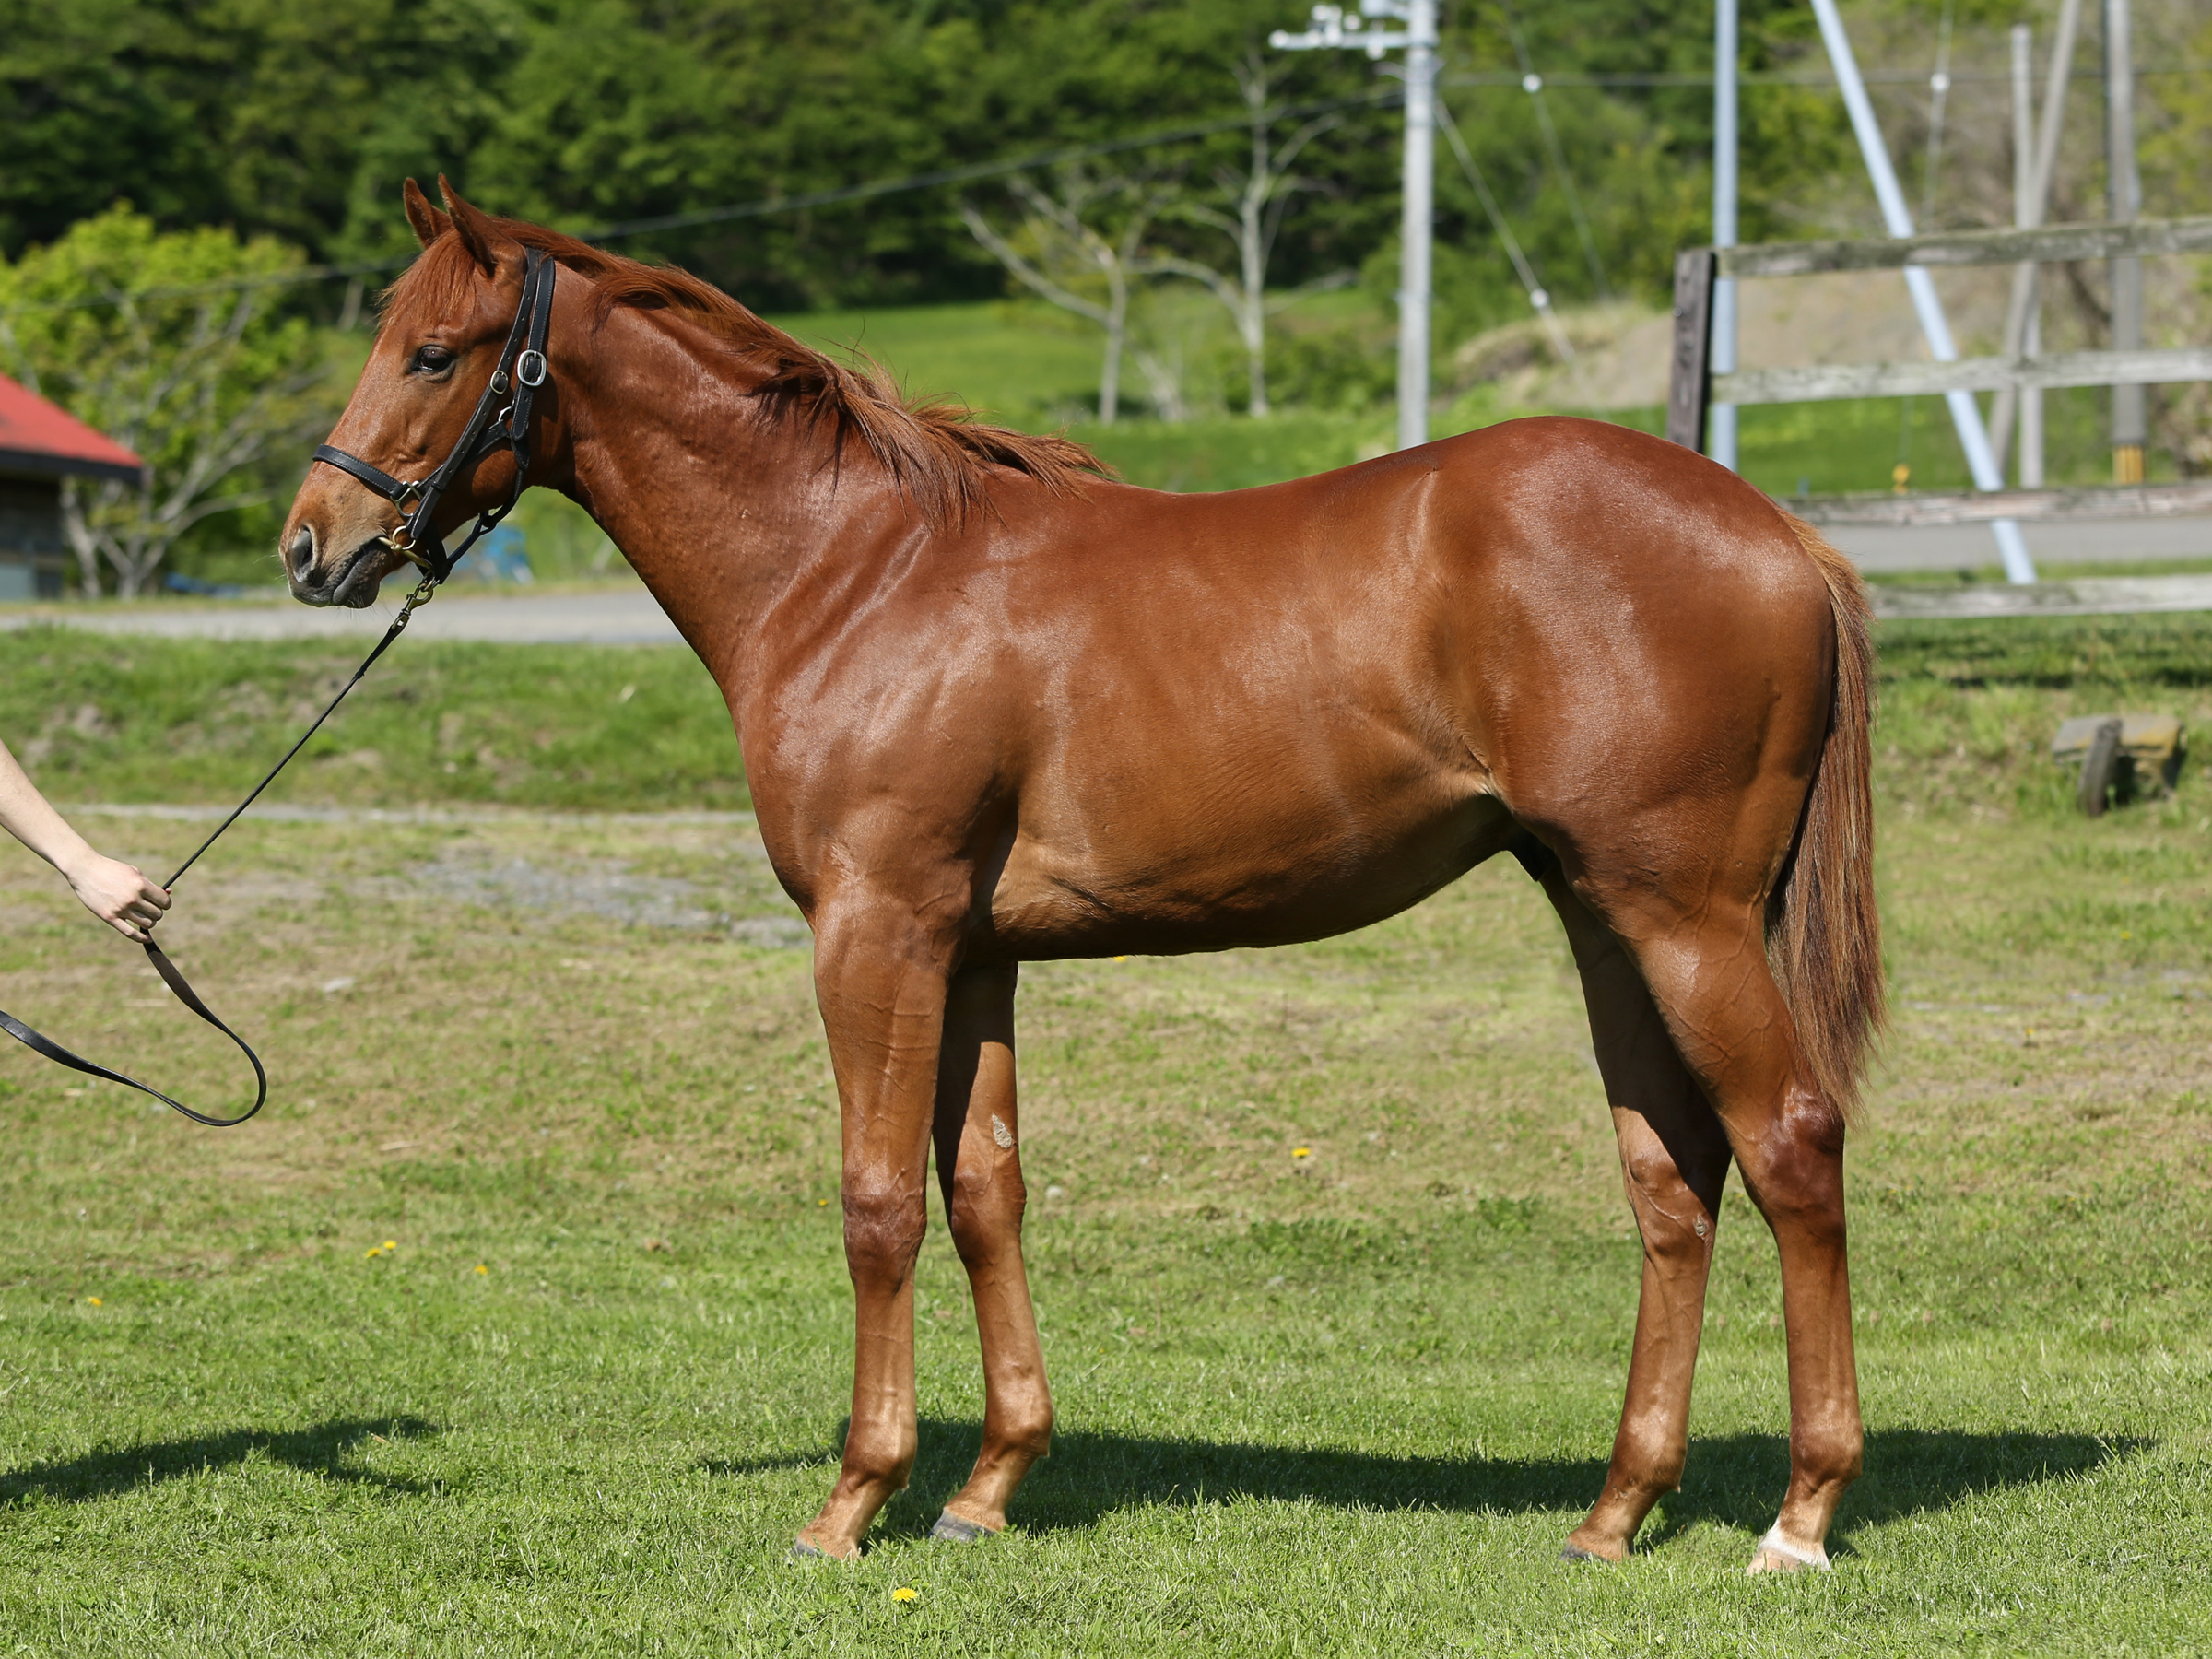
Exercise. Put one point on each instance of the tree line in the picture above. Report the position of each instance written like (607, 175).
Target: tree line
(297, 120)
(152, 149)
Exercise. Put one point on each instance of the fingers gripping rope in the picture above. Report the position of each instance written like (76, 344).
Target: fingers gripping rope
(45, 1046)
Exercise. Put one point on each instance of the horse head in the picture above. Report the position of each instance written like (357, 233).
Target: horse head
(437, 361)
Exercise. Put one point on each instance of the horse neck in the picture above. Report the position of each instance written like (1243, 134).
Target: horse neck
(720, 503)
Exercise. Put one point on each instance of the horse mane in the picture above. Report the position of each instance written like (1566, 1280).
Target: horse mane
(937, 454)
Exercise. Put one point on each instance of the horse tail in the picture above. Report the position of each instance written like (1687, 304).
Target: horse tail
(1824, 935)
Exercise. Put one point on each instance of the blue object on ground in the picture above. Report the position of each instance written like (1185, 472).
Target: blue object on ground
(176, 582)
(499, 557)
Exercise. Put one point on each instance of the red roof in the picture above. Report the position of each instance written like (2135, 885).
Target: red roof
(38, 437)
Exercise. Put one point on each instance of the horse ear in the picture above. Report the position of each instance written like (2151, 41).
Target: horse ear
(476, 229)
(428, 223)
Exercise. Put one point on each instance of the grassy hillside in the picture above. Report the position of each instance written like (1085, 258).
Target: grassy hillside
(1027, 366)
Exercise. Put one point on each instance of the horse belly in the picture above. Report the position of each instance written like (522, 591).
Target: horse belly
(1271, 878)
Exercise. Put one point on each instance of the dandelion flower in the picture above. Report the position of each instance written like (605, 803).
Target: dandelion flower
(481, 1268)
(94, 1302)
(371, 1254)
(391, 1244)
(1301, 1151)
(822, 1204)
(906, 1593)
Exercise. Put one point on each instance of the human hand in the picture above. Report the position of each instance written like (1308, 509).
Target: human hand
(118, 893)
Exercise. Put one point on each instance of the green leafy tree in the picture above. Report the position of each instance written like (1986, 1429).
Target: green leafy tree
(178, 346)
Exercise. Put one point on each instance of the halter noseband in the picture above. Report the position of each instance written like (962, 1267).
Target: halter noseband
(523, 369)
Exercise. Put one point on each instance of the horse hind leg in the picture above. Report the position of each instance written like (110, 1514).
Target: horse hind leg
(979, 1167)
(1707, 971)
(1674, 1160)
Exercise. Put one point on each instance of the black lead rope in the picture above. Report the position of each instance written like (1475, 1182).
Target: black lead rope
(45, 1046)
(522, 370)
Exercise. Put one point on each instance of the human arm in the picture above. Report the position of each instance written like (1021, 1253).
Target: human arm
(114, 891)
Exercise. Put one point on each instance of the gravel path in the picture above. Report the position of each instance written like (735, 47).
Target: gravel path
(618, 616)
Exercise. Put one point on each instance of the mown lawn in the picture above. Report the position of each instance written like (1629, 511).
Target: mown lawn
(1349, 1403)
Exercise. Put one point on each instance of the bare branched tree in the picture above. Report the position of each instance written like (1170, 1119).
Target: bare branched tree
(1076, 242)
(1259, 195)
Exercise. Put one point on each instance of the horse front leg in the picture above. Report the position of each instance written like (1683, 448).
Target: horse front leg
(979, 1165)
(881, 987)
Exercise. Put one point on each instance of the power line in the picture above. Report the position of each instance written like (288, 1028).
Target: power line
(1380, 98)
(1383, 98)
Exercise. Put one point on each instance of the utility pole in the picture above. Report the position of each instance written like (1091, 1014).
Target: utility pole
(1334, 27)
(2027, 212)
(2023, 330)
(1720, 432)
(2124, 197)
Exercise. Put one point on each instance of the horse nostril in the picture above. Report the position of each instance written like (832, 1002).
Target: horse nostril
(303, 550)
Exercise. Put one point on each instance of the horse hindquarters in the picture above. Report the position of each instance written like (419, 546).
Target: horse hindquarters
(1681, 883)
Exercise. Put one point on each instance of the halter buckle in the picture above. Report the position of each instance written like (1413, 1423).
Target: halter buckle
(530, 368)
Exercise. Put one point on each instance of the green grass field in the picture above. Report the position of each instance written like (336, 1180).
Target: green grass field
(518, 1323)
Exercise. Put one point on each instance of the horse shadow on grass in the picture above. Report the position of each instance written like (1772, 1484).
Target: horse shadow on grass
(324, 1450)
(1732, 1479)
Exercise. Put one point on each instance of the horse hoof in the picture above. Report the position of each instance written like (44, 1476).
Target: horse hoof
(1575, 1552)
(803, 1551)
(954, 1530)
(1777, 1554)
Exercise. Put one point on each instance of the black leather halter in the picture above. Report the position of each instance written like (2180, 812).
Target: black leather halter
(522, 370)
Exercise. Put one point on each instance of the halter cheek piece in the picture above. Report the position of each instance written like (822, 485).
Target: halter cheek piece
(522, 370)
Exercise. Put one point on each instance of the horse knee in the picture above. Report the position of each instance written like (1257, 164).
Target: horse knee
(883, 1229)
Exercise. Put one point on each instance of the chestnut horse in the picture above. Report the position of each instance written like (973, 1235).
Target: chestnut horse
(996, 708)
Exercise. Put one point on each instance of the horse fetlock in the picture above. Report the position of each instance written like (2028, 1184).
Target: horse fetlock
(1825, 1458)
(1592, 1541)
(808, 1547)
(1027, 1435)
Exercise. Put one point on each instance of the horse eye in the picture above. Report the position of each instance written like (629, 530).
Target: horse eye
(432, 359)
